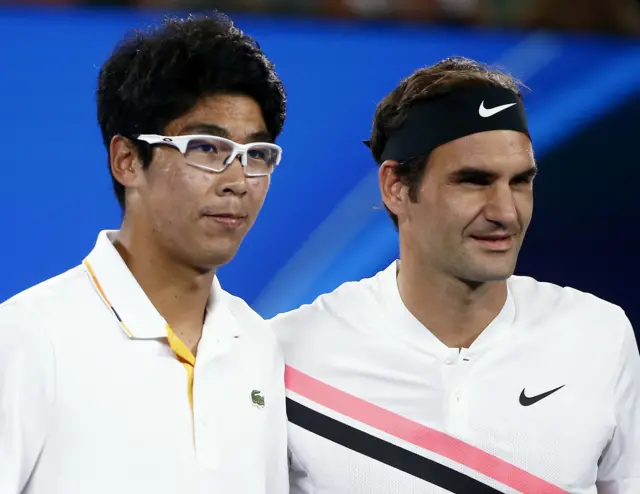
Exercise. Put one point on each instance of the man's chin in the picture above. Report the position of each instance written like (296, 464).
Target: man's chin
(486, 274)
(496, 275)
(219, 258)
(216, 256)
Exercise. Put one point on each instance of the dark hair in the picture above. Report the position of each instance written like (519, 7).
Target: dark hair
(420, 86)
(154, 77)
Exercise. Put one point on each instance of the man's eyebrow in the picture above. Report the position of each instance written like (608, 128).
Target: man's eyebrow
(259, 136)
(216, 130)
(528, 174)
(471, 172)
(202, 128)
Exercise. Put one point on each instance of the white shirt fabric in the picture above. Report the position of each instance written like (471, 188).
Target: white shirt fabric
(90, 405)
(545, 401)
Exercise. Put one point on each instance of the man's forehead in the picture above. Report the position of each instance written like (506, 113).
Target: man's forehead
(486, 148)
(222, 115)
(494, 141)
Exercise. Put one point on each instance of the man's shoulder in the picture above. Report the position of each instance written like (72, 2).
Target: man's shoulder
(543, 302)
(27, 320)
(48, 298)
(525, 288)
(350, 305)
(240, 308)
(250, 321)
(346, 299)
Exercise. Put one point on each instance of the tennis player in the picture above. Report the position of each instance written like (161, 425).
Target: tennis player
(135, 372)
(445, 373)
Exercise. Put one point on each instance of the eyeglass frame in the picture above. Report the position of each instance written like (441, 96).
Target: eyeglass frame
(180, 143)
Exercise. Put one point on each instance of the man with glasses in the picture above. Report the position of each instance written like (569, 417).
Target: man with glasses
(135, 372)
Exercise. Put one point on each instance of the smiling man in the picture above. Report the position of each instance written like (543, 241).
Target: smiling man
(135, 372)
(445, 373)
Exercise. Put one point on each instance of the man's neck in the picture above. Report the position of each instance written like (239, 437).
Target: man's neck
(455, 312)
(178, 292)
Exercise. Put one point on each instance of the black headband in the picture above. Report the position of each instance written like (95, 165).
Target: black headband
(457, 113)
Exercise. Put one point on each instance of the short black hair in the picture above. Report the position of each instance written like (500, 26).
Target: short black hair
(158, 75)
(422, 85)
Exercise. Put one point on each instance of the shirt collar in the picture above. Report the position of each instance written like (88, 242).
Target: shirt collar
(417, 334)
(121, 292)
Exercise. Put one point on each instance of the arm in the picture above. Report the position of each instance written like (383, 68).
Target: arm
(26, 397)
(619, 468)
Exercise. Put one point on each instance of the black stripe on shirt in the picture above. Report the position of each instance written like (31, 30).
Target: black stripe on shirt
(384, 452)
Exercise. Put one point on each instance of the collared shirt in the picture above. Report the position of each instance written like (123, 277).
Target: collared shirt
(98, 395)
(545, 401)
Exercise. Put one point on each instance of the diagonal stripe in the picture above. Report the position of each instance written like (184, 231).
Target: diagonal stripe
(417, 434)
(104, 298)
(384, 452)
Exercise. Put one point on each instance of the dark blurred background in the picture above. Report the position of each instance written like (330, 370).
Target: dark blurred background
(607, 16)
(322, 223)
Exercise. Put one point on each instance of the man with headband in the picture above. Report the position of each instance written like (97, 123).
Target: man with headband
(445, 373)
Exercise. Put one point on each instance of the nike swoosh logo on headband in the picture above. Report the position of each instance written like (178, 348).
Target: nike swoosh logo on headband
(490, 112)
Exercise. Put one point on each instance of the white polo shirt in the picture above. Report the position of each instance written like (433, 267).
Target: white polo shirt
(93, 400)
(545, 401)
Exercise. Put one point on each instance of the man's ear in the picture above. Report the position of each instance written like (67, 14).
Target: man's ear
(394, 192)
(124, 161)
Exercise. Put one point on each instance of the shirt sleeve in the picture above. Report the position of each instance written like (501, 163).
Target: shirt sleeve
(619, 467)
(27, 380)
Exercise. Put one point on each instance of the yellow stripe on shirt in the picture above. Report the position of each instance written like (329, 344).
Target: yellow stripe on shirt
(186, 357)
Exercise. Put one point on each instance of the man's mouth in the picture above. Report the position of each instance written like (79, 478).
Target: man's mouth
(228, 220)
(496, 243)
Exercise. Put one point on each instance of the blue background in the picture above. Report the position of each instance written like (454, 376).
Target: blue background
(323, 222)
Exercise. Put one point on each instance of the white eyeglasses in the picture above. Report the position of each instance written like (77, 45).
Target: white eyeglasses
(213, 153)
